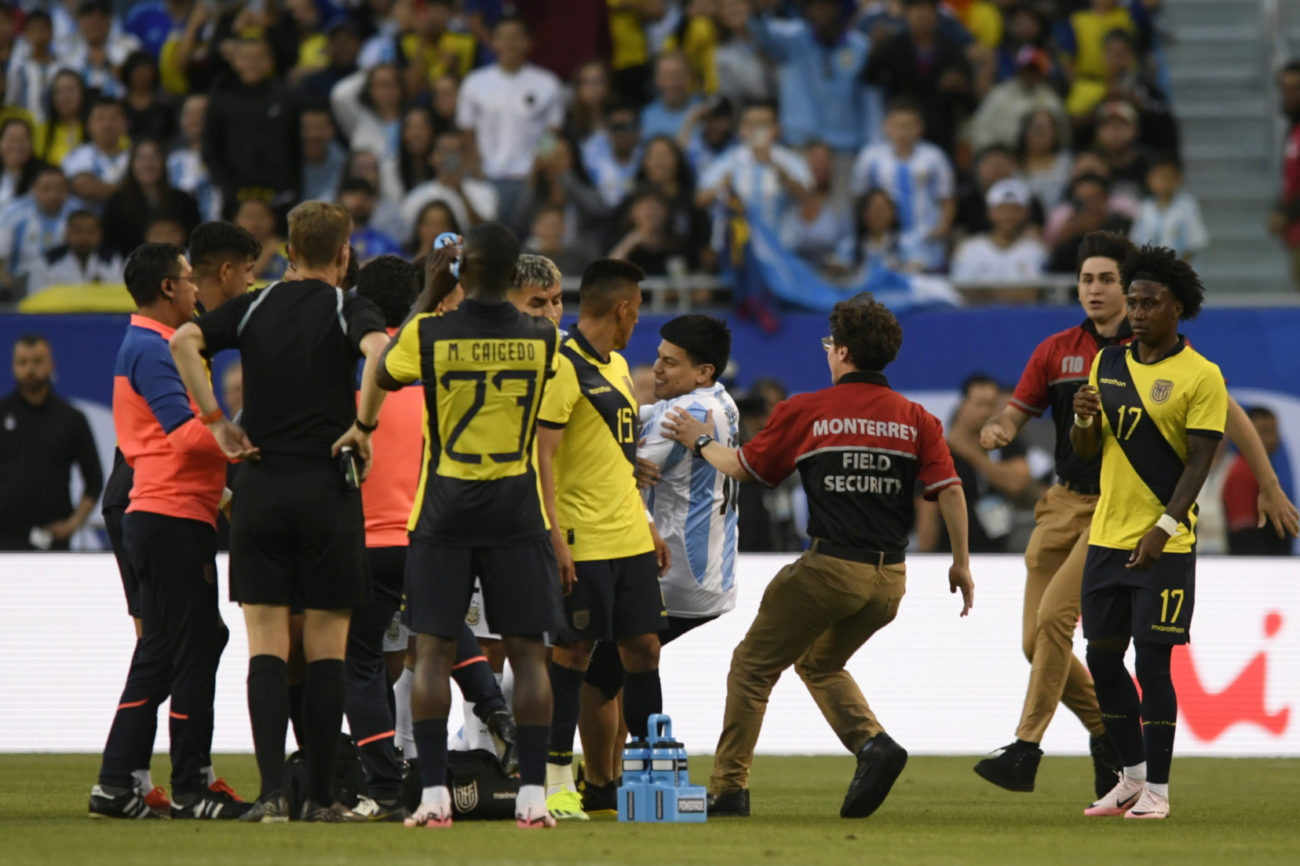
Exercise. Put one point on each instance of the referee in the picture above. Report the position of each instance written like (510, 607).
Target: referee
(860, 449)
(297, 536)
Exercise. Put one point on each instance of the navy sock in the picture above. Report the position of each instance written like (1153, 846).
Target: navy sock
(532, 743)
(268, 710)
(431, 742)
(642, 698)
(1159, 708)
(566, 686)
(1121, 710)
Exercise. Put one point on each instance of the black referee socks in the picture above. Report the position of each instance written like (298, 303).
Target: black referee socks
(268, 710)
(642, 698)
(322, 710)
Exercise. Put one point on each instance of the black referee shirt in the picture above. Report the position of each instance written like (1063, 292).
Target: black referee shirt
(299, 343)
(38, 445)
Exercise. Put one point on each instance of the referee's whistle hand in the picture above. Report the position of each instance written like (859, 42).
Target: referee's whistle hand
(360, 443)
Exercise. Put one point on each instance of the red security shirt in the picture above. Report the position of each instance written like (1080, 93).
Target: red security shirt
(1055, 371)
(388, 493)
(860, 449)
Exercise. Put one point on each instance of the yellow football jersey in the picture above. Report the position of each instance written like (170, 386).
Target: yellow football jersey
(1147, 413)
(596, 499)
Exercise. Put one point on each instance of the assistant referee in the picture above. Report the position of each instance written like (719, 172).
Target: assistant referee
(860, 449)
(297, 537)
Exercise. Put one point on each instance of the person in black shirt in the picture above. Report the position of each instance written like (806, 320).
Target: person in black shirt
(41, 437)
(297, 535)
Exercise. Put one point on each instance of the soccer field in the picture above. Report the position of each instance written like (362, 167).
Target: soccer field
(1225, 810)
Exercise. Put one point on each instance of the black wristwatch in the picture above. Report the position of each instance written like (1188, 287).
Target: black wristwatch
(367, 428)
(704, 439)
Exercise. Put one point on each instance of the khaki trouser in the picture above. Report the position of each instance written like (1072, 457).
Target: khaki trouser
(815, 614)
(1054, 559)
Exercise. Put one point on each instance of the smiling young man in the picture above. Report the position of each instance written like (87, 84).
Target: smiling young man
(1155, 410)
(1056, 551)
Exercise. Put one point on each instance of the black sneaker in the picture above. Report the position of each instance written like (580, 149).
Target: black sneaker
(381, 811)
(879, 763)
(208, 805)
(1014, 767)
(271, 809)
(1106, 764)
(335, 814)
(109, 802)
(501, 725)
(733, 804)
(599, 799)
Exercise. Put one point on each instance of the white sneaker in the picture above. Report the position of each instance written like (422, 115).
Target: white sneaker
(1121, 798)
(434, 813)
(1149, 805)
(530, 809)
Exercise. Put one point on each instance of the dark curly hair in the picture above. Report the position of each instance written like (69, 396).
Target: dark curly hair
(868, 330)
(392, 283)
(1106, 245)
(1162, 265)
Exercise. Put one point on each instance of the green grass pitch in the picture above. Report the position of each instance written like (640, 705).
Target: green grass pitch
(1226, 812)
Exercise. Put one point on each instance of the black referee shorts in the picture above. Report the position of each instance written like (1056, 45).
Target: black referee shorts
(614, 599)
(297, 537)
(1153, 605)
(130, 580)
(521, 588)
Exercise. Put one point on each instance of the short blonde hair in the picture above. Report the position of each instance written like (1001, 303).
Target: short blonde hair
(317, 231)
(534, 271)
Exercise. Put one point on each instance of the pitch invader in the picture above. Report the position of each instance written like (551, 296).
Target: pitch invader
(694, 510)
(1156, 411)
(1054, 557)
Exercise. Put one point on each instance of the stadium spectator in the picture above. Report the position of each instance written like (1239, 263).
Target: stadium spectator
(509, 111)
(185, 167)
(1169, 217)
(145, 194)
(433, 47)
(1024, 26)
(32, 226)
(743, 71)
(592, 99)
(471, 199)
(18, 160)
(1285, 219)
(1118, 146)
(929, 67)
(650, 242)
(917, 175)
(709, 132)
(414, 164)
(558, 178)
(32, 72)
(1249, 533)
(268, 164)
(1000, 117)
(165, 230)
(762, 174)
(256, 217)
(357, 197)
(368, 107)
(42, 436)
(820, 66)
(343, 43)
(434, 218)
(664, 169)
(876, 243)
(1082, 36)
(323, 157)
(95, 51)
(816, 227)
(83, 260)
(1044, 158)
(388, 215)
(991, 480)
(1010, 254)
(148, 113)
(612, 154)
(674, 97)
(95, 169)
(548, 238)
(1089, 210)
(65, 127)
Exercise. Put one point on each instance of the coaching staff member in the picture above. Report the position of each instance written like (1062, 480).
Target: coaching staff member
(297, 536)
(860, 449)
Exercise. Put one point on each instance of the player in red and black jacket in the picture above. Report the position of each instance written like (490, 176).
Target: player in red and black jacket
(1056, 551)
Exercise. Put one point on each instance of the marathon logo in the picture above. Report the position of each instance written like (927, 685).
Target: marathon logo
(864, 426)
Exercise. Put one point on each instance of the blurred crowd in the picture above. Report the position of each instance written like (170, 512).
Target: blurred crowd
(975, 138)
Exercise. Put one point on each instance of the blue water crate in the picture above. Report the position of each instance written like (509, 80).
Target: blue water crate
(656, 782)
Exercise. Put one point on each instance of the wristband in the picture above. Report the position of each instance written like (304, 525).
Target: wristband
(648, 516)
(212, 417)
(1080, 421)
(367, 428)
(1168, 524)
